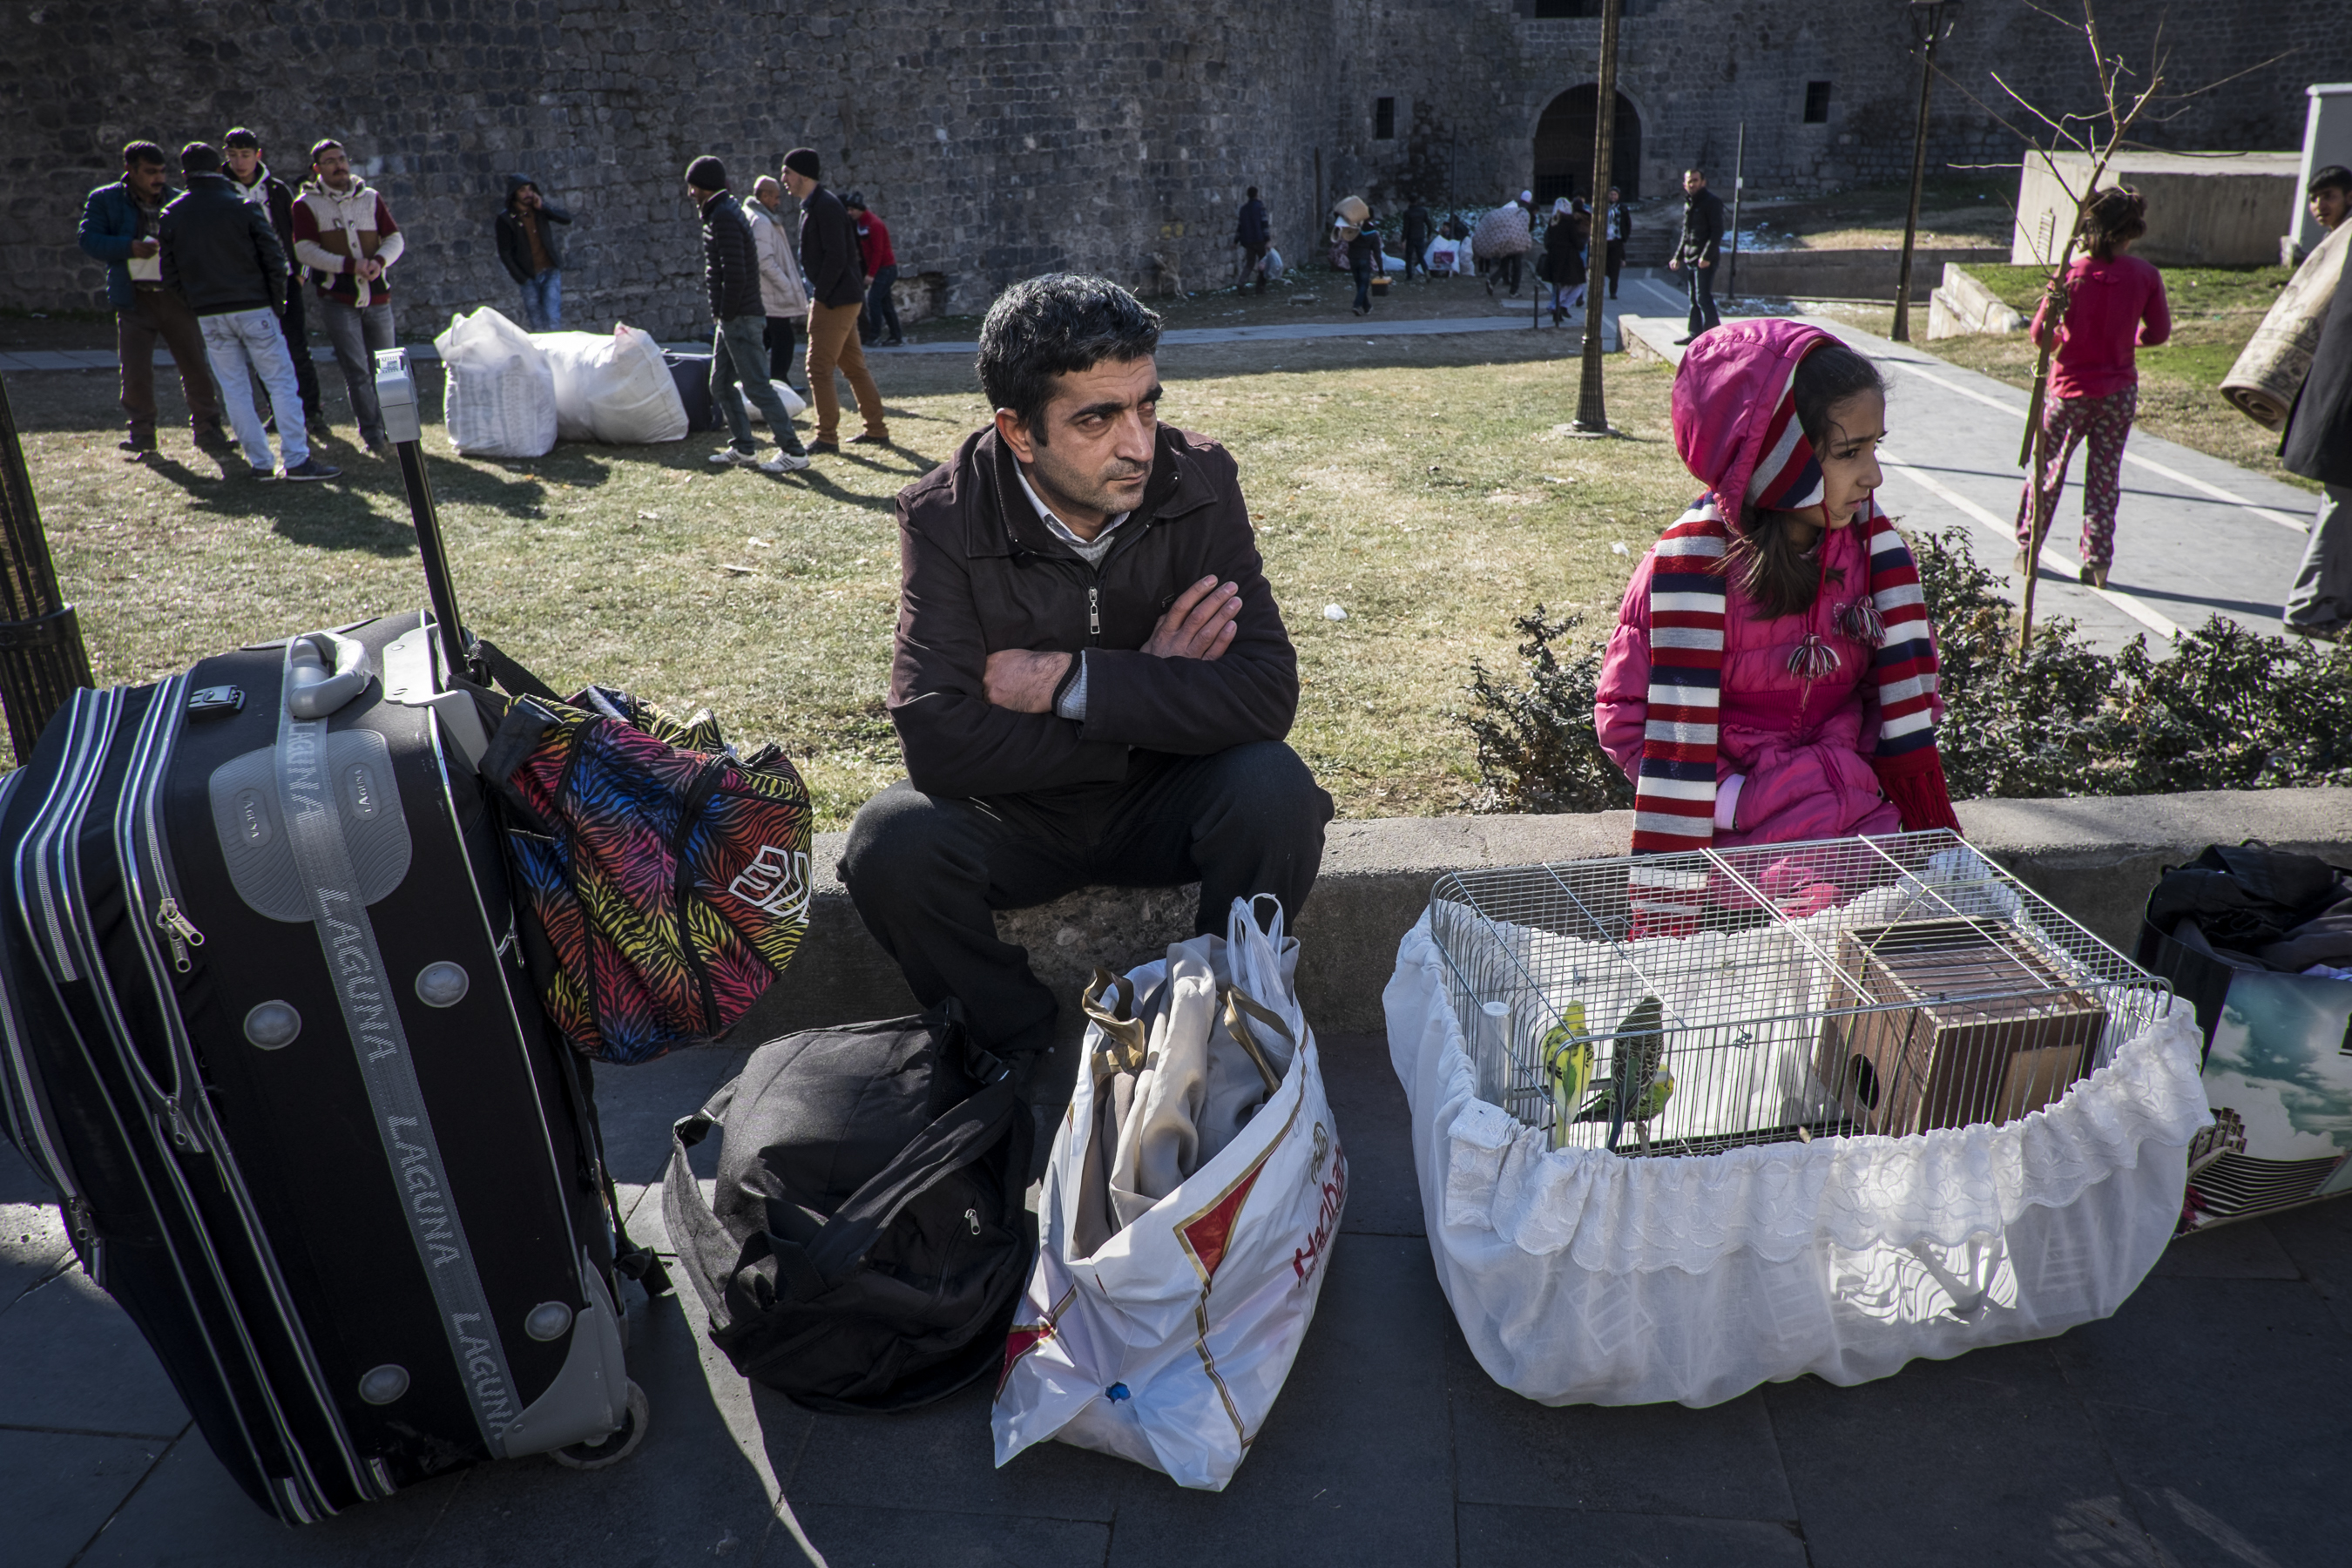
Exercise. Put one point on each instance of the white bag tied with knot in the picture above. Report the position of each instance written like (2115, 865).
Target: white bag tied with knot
(1194, 1187)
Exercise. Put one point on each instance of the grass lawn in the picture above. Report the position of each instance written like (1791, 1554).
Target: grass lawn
(2214, 312)
(1426, 485)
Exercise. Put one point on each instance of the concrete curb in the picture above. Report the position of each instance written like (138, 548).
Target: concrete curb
(2096, 859)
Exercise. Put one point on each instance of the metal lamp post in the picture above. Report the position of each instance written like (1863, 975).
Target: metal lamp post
(1592, 412)
(42, 659)
(1930, 21)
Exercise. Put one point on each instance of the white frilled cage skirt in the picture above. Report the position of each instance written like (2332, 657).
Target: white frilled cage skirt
(1582, 1278)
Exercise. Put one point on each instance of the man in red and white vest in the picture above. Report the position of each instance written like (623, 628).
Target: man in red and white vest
(344, 234)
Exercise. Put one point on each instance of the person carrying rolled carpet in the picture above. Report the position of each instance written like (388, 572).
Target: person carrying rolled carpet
(2318, 444)
(2113, 303)
(1772, 677)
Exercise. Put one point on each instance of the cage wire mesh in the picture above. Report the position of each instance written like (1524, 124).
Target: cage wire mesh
(1684, 1004)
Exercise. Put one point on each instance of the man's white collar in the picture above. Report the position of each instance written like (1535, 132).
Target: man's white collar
(1045, 514)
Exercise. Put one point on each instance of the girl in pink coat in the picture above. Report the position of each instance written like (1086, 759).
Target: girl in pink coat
(1773, 676)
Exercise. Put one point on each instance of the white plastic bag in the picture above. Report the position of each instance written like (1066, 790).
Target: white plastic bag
(1160, 1319)
(615, 389)
(793, 403)
(501, 397)
(1579, 1277)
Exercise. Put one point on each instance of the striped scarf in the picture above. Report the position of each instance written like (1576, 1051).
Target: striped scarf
(1674, 799)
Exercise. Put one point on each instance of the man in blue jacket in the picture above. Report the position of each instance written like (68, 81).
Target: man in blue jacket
(117, 227)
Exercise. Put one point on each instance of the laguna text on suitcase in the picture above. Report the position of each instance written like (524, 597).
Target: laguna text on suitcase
(265, 1026)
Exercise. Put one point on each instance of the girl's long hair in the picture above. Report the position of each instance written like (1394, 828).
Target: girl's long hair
(1777, 576)
(2114, 217)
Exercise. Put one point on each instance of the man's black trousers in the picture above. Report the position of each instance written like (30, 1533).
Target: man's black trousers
(1700, 282)
(928, 873)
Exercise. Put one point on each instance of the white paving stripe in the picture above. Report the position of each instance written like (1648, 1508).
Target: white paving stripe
(2050, 556)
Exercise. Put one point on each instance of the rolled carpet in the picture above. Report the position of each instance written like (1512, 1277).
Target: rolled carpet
(2263, 383)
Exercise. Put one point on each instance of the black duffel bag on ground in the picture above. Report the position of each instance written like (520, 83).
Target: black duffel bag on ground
(869, 1239)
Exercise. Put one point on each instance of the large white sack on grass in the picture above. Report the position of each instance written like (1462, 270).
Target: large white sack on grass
(501, 397)
(616, 389)
(793, 403)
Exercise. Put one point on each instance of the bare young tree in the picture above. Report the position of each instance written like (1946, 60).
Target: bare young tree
(2129, 98)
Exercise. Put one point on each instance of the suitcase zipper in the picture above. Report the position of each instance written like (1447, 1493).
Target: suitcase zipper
(140, 848)
(182, 932)
(90, 736)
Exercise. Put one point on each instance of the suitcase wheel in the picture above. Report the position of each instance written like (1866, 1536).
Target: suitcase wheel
(615, 1449)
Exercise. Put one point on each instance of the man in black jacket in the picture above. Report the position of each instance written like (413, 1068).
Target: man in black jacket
(220, 253)
(1694, 255)
(1416, 239)
(1254, 232)
(241, 151)
(2318, 444)
(836, 284)
(1091, 681)
(738, 349)
(527, 250)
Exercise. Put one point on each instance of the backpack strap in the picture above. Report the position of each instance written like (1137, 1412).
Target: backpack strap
(956, 1138)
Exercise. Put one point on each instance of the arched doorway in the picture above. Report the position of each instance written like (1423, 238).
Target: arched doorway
(1564, 147)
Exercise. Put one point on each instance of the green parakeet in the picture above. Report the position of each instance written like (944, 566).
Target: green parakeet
(1566, 1054)
(1639, 1083)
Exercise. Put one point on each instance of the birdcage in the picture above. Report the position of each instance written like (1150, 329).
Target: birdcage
(1691, 1003)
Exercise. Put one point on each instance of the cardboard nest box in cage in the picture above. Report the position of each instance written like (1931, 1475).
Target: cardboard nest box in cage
(1944, 1023)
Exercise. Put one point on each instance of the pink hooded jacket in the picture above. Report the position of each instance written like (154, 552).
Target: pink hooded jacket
(1793, 758)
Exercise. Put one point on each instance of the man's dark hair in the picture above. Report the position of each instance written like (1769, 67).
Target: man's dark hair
(1064, 323)
(200, 158)
(1695, 169)
(141, 152)
(240, 136)
(2335, 177)
(1253, 193)
(320, 149)
(707, 174)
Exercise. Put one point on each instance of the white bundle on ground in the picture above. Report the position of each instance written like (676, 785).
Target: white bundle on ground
(501, 397)
(1195, 1189)
(1444, 257)
(793, 403)
(1581, 1276)
(613, 388)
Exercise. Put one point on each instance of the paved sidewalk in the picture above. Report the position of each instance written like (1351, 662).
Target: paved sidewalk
(2205, 1424)
(2195, 536)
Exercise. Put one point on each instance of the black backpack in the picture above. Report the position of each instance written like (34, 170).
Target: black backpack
(870, 1240)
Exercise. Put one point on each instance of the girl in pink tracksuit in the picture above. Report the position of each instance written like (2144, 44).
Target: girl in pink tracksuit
(1773, 676)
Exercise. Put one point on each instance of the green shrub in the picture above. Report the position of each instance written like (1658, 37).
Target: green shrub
(2230, 709)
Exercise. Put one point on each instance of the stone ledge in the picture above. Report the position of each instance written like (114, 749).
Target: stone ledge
(2094, 859)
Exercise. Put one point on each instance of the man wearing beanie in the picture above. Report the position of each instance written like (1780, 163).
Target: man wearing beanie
(241, 151)
(221, 254)
(739, 350)
(836, 283)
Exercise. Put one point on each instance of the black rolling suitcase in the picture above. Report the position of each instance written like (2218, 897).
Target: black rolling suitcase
(264, 1025)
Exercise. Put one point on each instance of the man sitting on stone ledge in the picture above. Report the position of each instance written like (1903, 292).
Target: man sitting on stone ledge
(1091, 681)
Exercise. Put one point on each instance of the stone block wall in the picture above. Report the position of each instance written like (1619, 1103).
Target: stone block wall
(1001, 139)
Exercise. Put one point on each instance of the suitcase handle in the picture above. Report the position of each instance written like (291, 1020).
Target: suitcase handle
(311, 691)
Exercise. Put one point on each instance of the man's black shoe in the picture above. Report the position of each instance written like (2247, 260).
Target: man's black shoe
(312, 469)
(1691, 338)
